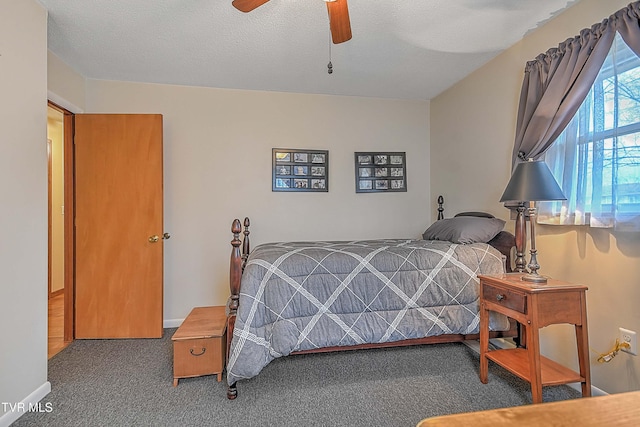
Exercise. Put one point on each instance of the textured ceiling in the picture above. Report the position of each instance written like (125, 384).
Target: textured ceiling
(400, 49)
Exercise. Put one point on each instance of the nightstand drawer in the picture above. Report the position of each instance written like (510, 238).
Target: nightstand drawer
(505, 297)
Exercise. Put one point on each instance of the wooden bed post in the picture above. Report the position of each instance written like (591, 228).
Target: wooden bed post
(246, 246)
(235, 275)
(521, 239)
(238, 261)
(440, 208)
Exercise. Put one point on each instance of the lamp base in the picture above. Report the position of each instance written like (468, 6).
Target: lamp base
(534, 277)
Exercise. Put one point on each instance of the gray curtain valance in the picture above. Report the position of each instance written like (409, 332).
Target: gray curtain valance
(557, 81)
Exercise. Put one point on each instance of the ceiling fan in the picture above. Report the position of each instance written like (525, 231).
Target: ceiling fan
(338, 16)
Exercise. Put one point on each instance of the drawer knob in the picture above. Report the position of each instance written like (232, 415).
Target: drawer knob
(198, 354)
(499, 297)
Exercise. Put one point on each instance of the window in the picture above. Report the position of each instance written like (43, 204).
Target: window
(596, 160)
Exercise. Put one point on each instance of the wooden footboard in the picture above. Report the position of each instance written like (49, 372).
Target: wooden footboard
(503, 242)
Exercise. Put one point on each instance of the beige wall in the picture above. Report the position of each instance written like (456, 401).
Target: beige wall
(65, 86)
(23, 212)
(217, 146)
(473, 127)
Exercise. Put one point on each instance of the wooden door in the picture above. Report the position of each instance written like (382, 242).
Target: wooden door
(118, 183)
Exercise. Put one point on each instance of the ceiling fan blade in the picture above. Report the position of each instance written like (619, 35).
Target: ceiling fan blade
(247, 5)
(339, 21)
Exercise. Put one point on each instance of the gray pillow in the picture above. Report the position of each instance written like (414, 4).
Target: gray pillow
(464, 229)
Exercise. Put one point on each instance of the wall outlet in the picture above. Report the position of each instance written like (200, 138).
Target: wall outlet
(629, 337)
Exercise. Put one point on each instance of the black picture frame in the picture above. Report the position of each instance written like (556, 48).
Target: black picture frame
(297, 170)
(381, 171)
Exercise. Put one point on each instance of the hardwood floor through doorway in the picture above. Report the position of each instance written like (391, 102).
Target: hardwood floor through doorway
(56, 326)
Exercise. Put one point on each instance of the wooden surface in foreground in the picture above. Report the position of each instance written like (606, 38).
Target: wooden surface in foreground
(615, 409)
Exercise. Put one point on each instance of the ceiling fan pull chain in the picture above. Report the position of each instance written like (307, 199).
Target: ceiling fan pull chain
(330, 65)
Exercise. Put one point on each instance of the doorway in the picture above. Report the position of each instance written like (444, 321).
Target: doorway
(60, 228)
(129, 296)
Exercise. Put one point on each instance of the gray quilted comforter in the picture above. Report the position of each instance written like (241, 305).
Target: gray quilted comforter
(306, 295)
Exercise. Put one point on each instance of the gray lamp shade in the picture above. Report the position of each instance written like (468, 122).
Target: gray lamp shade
(532, 181)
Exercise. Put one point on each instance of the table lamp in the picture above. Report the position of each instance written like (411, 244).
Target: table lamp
(532, 181)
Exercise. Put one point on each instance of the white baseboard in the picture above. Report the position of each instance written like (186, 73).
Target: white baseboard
(595, 391)
(172, 323)
(29, 403)
(503, 343)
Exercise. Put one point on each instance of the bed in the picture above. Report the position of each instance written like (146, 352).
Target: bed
(307, 297)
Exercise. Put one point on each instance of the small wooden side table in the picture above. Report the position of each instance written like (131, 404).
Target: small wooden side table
(534, 306)
(199, 344)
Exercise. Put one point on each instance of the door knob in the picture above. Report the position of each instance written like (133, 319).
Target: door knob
(154, 239)
(166, 236)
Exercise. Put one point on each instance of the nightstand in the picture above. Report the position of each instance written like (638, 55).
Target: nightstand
(534, 306)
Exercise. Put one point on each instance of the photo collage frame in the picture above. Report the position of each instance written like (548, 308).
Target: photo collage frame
(380, 172)
(300, 170)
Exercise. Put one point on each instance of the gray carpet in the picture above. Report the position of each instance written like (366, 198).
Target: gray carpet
(130, 383)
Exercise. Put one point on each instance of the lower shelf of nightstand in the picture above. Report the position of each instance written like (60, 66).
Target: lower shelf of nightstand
(516, 361)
